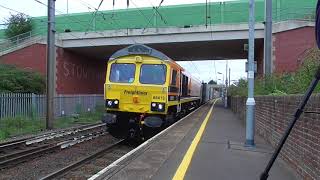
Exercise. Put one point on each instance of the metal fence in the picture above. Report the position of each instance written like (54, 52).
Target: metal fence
(32, 105)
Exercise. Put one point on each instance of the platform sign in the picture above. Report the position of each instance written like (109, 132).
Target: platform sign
(318, 24)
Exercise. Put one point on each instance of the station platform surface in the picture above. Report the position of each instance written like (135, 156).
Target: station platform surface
(218, 154)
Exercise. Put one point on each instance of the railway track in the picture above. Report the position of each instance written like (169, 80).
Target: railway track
(15, 152)
(28, 140)
(88, 166)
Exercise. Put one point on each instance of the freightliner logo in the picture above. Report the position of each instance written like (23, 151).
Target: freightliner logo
(135, 92)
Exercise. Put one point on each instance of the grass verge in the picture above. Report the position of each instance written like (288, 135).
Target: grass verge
(16, 126)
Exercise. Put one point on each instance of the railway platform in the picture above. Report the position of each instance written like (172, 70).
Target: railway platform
(207, 144)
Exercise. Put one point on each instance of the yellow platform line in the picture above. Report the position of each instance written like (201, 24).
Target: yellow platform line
(183, 167)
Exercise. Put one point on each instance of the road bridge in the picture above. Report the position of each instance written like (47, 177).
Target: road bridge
(185, 35)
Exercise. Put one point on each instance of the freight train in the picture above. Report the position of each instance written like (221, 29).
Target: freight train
(146, 91)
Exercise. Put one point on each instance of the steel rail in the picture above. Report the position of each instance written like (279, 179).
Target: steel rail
(12, 155)
(22, 158)
(23, 141)
(81, 162)
(16, 158)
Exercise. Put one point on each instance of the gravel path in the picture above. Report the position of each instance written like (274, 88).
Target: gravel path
(48, 163)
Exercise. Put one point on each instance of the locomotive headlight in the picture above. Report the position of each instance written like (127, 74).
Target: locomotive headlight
(160, 106)
(156, 106)
(116, 102)
(112, 103)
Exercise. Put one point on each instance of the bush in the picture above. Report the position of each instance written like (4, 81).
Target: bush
(283, 84)
(15, 80)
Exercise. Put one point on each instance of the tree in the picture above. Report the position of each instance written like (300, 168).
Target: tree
(212, 82)
(18, 24)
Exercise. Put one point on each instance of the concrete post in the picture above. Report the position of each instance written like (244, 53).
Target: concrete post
(250, 101)
(226, 95)
(50, 64)
(268, 38)
(34, 106)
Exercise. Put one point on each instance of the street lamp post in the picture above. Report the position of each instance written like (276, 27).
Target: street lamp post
(250, 101)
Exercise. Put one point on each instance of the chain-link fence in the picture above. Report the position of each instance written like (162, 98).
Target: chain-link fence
(30, 105)
(23, 113)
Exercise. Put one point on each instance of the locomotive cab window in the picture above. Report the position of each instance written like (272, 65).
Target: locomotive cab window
(153, 74)
(174, 78)
(185, 85)
(122, 73)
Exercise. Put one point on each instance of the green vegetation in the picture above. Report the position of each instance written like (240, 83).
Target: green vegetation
(18, 24)
(82, 118)
(212, 82)
(19, 125)
(22, 125)
(283, 84)
(14, 80)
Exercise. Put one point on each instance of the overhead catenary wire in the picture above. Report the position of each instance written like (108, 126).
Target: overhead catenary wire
(215, 70)
(95, 14)
(139, 10)
(195, 67)
(10, 9)
(156, 12)
(86, 4)
(56, 10)
(89, 6)
(75, 20)
(14, 10)
(103, 14)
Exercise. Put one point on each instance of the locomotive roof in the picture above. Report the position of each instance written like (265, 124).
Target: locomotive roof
(139, 49)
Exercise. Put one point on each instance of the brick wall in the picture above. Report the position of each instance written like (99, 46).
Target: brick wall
(30, 58)
(289, 48)
(77, 74)
(273, 114)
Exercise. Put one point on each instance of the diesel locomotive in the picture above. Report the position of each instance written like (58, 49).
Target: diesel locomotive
(146, 91)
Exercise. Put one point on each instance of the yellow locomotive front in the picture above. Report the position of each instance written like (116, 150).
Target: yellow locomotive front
(136, 91)
(137, 86)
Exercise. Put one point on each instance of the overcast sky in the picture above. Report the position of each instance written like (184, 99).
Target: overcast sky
(208, 70)
(204, 70)
(33, 8)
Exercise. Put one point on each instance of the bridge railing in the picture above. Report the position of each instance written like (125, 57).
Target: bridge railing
(13, 42)
(119, 23)
(304, 14)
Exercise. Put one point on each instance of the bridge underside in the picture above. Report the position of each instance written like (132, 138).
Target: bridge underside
(180, 51)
